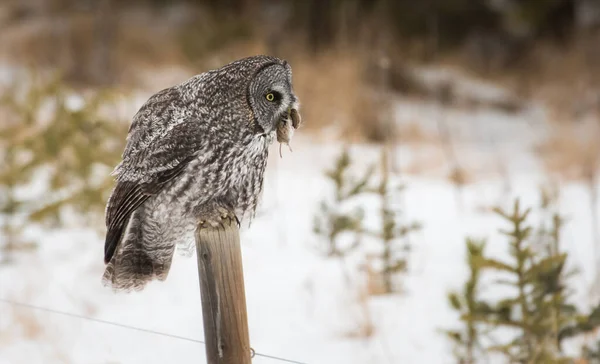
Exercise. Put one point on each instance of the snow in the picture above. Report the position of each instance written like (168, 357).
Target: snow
(463, 84)
(301, 305)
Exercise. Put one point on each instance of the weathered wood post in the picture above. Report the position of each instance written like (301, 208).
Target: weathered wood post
(223, 296)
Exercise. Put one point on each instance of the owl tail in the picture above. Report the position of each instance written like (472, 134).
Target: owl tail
(140, 256)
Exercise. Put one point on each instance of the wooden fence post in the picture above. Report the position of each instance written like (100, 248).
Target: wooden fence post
(223, 296)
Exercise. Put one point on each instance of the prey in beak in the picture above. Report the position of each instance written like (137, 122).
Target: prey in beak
(286, 128)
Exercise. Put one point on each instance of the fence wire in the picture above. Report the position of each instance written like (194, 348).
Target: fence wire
(128, 327)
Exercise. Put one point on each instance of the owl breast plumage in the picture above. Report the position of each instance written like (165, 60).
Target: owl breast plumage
(195, 151)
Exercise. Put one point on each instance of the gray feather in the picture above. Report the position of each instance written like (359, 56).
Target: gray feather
(194, 151)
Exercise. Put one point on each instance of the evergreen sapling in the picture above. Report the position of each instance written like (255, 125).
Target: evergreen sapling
(334, 218)
(537, 308)
(44, 138)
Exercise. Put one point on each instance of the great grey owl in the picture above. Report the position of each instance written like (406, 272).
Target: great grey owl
(195, 152)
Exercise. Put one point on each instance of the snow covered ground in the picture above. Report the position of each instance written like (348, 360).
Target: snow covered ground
(300, 305)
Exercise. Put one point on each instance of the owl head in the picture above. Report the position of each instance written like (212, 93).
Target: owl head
(271, 95)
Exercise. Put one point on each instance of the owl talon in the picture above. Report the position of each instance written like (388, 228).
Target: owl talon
(228, 217)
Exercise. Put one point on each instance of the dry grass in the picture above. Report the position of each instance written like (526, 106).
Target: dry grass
(572, 152)
(569, 87)
(22, 321)
(374, 284)
(92, 49)
(68, 42)
(426, 161)
(326, 86)
(370, 284)
(29, 327)
(363, 321)
(566, 81)
(414, 134)
(334, 93)
(571, 73)
(28, 324)
(365, 328)
(460, 176)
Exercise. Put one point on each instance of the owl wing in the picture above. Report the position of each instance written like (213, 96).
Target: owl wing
(159, 147)
(126, 198)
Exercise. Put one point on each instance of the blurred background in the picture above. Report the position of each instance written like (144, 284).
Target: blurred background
(440, 204)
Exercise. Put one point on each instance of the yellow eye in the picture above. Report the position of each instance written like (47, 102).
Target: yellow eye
(270, 96)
